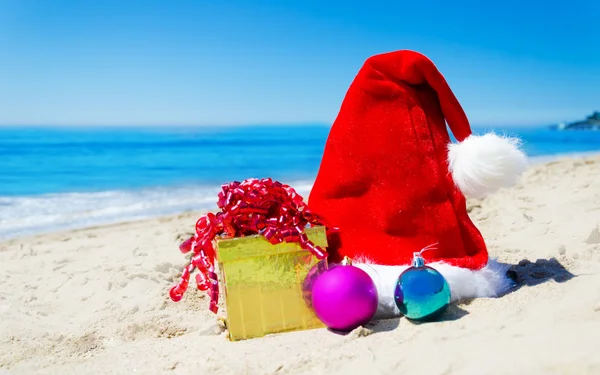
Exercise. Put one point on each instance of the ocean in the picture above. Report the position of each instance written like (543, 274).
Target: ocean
(55, 178)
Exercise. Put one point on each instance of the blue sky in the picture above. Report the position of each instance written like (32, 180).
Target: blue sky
(246, 62)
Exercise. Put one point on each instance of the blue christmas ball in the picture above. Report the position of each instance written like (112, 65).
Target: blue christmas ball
(422, 293)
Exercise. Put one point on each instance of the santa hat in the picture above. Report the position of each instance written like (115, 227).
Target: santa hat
(393, 183)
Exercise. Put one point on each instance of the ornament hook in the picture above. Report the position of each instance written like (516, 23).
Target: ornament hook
(418, 260)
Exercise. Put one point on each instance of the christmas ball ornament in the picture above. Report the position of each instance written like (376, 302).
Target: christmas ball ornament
(422, 293)
(344, 297)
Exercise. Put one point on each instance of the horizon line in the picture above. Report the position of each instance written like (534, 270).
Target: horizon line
(249, 124)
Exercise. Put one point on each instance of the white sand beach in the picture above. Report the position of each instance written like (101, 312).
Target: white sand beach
(95, 301)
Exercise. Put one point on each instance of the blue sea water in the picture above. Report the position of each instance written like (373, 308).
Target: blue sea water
(67, 177)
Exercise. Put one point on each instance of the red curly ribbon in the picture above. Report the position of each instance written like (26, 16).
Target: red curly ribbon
(253, 206)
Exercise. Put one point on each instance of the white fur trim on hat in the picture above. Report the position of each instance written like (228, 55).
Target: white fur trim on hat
(480, 165)
(490, 281)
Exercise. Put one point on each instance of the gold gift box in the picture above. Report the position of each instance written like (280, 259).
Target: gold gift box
(263, 284)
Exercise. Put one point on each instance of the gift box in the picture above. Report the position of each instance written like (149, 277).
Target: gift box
(263, 284)
(264, 241)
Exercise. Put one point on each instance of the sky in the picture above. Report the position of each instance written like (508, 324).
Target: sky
(183, 62)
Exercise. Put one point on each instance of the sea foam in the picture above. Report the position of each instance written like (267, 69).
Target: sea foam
(28, 215)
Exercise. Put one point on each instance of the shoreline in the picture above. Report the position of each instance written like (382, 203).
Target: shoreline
(192, 215)
(536, 160)
(533, 162)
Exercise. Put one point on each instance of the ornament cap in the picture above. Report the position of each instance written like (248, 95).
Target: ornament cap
(418, 260)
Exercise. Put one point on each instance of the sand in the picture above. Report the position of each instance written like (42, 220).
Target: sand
(94, 301)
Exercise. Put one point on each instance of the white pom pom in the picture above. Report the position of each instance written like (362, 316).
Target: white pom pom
(480, 165)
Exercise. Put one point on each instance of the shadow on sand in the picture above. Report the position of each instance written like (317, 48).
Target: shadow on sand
(452, 312)
(527, 273)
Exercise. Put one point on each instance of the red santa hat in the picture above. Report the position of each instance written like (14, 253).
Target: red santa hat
(393, 183)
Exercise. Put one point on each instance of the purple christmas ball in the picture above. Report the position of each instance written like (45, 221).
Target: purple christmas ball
(344, 297)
